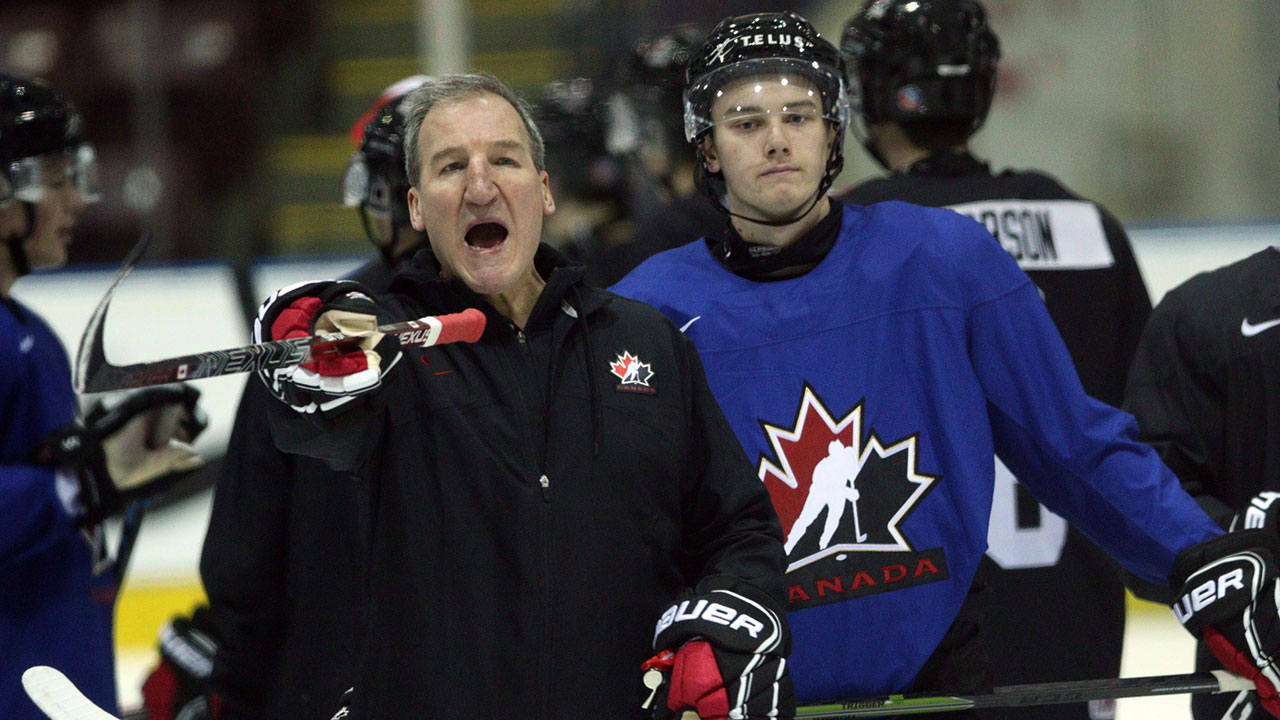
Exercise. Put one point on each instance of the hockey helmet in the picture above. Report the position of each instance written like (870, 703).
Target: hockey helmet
(572, 120)
(764, 44)
(921, 60)
(376, 181)
(645, 107)
(36, 122)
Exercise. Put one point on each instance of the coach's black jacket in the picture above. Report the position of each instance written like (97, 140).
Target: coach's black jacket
(533, 509)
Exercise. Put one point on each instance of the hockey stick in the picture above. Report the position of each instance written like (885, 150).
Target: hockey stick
(1054, 693)
(58, 698)
(93, 373)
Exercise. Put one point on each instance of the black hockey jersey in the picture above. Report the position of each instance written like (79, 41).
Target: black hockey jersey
(1079, 257)
(1205, 387)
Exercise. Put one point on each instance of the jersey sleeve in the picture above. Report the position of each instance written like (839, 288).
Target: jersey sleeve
(732, 528)
(34, 516)
(1178, 404)
(1080, 457)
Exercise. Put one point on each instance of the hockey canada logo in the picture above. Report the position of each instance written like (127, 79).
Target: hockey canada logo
(842, 497)
(633, 373)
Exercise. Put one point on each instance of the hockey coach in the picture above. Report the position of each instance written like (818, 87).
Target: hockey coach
(541, 498)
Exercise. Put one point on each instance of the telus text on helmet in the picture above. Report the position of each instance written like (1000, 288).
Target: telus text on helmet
(780, 39)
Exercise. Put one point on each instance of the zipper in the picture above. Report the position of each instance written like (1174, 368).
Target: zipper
(546, 487)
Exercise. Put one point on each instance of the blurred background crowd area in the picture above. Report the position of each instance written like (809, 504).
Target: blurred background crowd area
(222, 125)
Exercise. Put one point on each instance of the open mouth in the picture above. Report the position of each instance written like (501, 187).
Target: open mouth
(486, 235)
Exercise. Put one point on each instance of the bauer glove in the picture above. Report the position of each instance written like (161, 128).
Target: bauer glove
(721, 653)
(1229, 600)
(178, 688)
(1262, 513)
(339, 373)
(129, 449)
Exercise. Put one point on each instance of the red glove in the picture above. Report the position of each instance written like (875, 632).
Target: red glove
(341, 372)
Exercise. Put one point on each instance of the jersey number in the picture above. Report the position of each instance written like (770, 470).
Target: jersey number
(1015, 545)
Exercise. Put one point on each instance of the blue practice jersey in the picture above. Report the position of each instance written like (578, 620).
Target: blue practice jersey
(871, 393)
(54, 609)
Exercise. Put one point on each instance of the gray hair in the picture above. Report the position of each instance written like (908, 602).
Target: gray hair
(452, 88)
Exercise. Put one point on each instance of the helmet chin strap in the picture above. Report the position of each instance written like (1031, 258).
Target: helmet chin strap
(18, 253)
(793, 217)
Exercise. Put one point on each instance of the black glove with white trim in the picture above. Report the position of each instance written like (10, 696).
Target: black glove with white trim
(721, 653)
(335, 377)
(1229, 599)
(1262, 513)
(128, 448)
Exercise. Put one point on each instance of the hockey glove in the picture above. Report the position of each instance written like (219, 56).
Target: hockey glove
(722, 653)
(1229, 600)
(1262, 513)
(341, 372)
(178, 688)
(130, 449)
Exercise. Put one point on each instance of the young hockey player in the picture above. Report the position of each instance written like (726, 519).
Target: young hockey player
(925, 76)
(539, 496)
(871, 360)
(60, 475)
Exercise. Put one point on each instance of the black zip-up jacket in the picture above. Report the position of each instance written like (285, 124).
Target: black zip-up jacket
(537, 498)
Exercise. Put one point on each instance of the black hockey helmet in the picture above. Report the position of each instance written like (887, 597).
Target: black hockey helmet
(36, 122)
(572, 119)
(376, 181)
(778, 43)
(921, 60)
(645, 106)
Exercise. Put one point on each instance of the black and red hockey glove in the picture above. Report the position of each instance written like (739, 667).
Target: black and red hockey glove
(340, 373)
(1229, 600)
(178, 688)
(722, 653)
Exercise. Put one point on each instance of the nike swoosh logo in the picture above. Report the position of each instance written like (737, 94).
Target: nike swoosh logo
(1248, 329)
(686, 325)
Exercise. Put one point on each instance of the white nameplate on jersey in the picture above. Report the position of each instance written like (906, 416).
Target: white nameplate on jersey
(1045, 234)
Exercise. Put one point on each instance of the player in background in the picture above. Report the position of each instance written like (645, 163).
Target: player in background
(923, 76)
(61, 475)
(646, 127)
(907, 334)
(590, 225)
(1205, 387)
(539, 495)
(283, 555)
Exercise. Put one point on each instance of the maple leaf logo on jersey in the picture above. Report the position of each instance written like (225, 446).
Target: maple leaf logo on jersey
(842, 500)
(633, 373)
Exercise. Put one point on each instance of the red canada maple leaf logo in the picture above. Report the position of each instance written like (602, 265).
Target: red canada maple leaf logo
(817, 437)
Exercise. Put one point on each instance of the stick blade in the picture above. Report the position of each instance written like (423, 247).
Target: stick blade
(91, 362)
(58, 698)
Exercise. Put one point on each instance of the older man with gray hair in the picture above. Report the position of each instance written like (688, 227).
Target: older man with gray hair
(540, 496)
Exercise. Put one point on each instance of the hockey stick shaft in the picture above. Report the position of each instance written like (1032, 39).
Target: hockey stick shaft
(93, 373)
(58, 698)
(1053, 693)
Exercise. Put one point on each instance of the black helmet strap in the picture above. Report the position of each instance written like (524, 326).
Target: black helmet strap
(18, 253)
